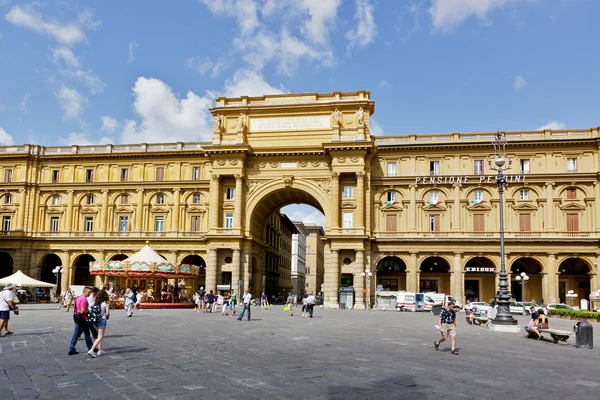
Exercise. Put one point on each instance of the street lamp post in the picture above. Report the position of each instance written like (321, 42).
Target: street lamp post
(57, 271)
(368, 274)
(522, 279)
(571, 295)
(504, 317)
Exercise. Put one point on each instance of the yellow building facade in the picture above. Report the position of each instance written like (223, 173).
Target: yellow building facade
(420, 211)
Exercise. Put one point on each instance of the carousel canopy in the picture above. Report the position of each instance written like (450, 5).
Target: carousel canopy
(145, 262)
(22, 280)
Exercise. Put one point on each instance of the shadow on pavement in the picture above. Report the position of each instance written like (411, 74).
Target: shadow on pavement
(126, 349)
(400, 387)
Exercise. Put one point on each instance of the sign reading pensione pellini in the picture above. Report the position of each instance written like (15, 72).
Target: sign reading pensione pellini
(290, 123)
(459, 180)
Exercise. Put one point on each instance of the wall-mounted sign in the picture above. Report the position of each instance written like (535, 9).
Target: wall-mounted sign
(451, 180)
(479, 269)
(290, 123)
(289, 165)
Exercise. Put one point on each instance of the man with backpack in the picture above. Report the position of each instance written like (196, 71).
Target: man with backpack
(80, 312)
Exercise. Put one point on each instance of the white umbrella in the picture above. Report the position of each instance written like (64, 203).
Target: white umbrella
(22, 280)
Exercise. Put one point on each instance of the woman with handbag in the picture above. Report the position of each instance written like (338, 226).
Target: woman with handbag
(100, 312)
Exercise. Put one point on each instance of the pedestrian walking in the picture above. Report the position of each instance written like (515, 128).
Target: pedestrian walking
(138, 301)
(129, 301)
(447, 324)
(80, 311)
(305, 306)
(264, 303)
(6, 306)
(91, 299)
(310, 304)
(232, 302)
(246, 304)
(99, 313)
(225, 304)
(290, 304)
(295, 301)
(68, 298)
(210, 299)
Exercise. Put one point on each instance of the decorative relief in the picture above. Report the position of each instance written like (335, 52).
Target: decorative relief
(341, 160)
(262, 164)
(274, 164)
(360, 116)
(241, 122)
(315, 163)
(233, 162)
(288, 180)
(303, 164)
(239, 177)
(336, 118)
(335, 175)
(249, 164)
(218, 123)
(221, 162)
(360, 174)
(215, 177)
(253, 185)
(354, 159)
(324, 185)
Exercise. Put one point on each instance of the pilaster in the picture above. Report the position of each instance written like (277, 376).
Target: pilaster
(175, 215)
(214, 208)
(335, 200)
(69, 218)
(239, 211)
(412, 209)
(211, 271)
(359, 281)
(411, 274)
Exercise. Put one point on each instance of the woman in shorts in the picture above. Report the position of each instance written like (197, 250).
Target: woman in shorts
(100, 325)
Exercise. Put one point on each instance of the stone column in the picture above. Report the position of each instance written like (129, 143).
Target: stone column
(359, 281)
(335, 200)
(332, 280)
(544, 286)
(21, 210)
(456, 210)
(211, 271)
(69, 219)
(247, 265)
(65, 278)
(411, 274)
(550, 206)
(237, 215)
(236, 270)
(368, 202)
(596, 206)
(459, 277)
(175, 214)
(552, 294)
(360, 201)
(214, 209)
(104, 211)
(98, 278)
(412, 209)
(139, 212)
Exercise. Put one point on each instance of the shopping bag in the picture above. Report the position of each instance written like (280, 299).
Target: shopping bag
(285, 308)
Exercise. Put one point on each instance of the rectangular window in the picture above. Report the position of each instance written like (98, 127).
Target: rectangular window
(160, 199)
(524, 194)
(391, 169)
(7, 199)
(159, 224)
(8, 175)
(525, 222)
(55, 176)
(434, 197)
(53, 224)
(477, 196)
(391, 223)
(160, 173)
(571, 165)
(229, 193)
(572, 222)
(89, 199)
(195, 173)
(195, 225)
(478, 222)
(124, 199)
(229, 220)
(434, 168)
(434, 222)
(56, 200)
(478, 167)
(123, 223)
(6, 223)
(347, 192)
(571, 194)
(124, 174)
(89, 224)
(196, 198)
(348, 220)
(524, 166)
(89, 175)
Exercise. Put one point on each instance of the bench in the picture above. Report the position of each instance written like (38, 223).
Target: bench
(557, 336)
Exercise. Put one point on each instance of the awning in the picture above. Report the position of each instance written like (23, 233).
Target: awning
(22, 280)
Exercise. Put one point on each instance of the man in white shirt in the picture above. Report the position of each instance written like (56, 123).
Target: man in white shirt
(311, 301)
(247, 299)
(6, 304)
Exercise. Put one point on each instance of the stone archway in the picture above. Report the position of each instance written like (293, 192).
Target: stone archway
(81, 267)
(391, 273)
(435, 275)
(194, 259)
(118, 257)
(48, 263)
(532, 291)
(480, 282)
(574, 274)
(6, 264)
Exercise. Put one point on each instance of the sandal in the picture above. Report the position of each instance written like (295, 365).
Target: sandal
(9, 332)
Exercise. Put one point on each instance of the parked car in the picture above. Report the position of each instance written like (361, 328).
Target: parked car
(481, 305)
(529, 304)
(518, 307)
(557, 306)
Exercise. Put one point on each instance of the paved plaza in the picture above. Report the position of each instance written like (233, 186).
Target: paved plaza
(339, 354)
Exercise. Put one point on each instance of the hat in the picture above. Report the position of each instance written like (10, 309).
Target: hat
(8, 286)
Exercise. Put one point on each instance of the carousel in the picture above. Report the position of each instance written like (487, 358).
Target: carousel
(162, 284)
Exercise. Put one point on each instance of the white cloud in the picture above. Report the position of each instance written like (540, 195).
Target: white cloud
(2, 107)
(304, 213)
(23, 103)
(366, 30)
(68, 34)
(519, 82)
(71, 102)
(83, 139)
(109, 124)
(5, 138)
(65, 55)
(246, 82)
(322, 15)
(244, 10)
(384, 84)
(375, 127)
(162, 117)
(204, 65)
(447, 14)
(89, 79)
(133, 46)
(557, 125)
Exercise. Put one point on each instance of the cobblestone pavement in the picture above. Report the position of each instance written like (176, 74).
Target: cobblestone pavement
(178, 354)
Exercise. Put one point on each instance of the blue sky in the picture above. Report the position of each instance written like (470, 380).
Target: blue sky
(146, 71)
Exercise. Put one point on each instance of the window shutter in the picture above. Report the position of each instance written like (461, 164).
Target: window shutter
(390, 223)
(478, 222)
(525, 222)
(572, 222)
(436, 222)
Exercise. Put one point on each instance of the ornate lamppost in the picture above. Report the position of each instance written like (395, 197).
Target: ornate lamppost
(368, 274)
(571, 295)
(522, 279)
(57, 271)
(504, 317)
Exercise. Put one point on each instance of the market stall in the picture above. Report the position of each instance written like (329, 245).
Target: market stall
(21, 281)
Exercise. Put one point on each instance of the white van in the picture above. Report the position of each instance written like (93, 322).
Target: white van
(406, 301)
(432, 298)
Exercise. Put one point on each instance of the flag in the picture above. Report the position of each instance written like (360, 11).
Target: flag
(390, 202)
(475, 202)
(433, 202)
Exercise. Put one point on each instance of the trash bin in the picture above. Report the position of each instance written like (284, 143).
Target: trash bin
(584, 335)
(436, 309)
(342, 306)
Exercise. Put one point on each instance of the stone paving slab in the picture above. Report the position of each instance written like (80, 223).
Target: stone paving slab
(339, 354)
